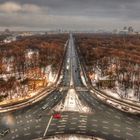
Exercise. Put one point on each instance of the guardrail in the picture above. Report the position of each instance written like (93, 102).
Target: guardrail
(123, 103)
(27, 102)
(36, 98)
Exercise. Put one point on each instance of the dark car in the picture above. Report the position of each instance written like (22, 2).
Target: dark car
(4, 130)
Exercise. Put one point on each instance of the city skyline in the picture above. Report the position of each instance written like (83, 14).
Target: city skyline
(65, 14)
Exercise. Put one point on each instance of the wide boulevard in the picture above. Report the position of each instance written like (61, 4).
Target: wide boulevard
(104, 121)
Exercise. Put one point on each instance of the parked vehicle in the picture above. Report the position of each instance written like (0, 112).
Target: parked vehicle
(4, 130)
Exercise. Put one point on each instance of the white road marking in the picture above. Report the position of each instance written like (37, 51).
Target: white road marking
(61, 125)
(105, 122)
(52, 124)
(82, 126)
(73, 123)
(105, 127)
(37, 126)
(93, 130)
(128, 122)
(47, 126)
(13, 137)
(116, 130)
(128, 128)
(27, 134)
(106, 133)
(117, 117)
(59, 132)
(118, 125)
(17, 136)
(129, 134)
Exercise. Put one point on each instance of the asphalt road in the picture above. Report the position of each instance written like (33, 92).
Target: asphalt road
(105, 121)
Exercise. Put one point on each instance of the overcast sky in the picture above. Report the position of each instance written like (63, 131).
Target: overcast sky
(69, 14)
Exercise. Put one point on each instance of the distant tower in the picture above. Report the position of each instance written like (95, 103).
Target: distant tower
(7, 31)
(130, 29)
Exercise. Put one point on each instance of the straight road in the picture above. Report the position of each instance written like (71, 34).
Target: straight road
(105, 121)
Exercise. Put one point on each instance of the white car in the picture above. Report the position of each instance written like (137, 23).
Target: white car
(67, 67)
(45, 106)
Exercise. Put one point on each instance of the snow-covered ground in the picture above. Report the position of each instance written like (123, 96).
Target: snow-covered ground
(74, 137)
(19, 91)
(118, 91)
(72, 103)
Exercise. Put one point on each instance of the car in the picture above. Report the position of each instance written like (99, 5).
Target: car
(125, 108)
(45, 106)
(67, 67)
(4, 131)
(57, 116)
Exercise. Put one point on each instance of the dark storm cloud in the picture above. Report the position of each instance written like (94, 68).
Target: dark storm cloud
(111, 12)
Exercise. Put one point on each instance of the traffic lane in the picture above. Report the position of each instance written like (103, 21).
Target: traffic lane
(127, 123)
(103, 127)
(119, 126)
(102, 107)
(23, 118)
(65, 81)
(106, 110)
(76, 66)
(76, 70)
(31, 110)
(36, 107)
(30, 130)
(92, 103)
(76, 73)
(26, 123)
(66, 73)
(90, 124)
(51, 102)
(67, 124)
(98, 105)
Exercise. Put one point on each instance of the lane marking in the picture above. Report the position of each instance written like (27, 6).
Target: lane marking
(116, 130)
(27, 134)
(105, 127)
(105, 122)
(61, 126)
(129, 134)
(47, 126)
(128, 128)
(118, 125)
